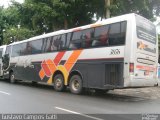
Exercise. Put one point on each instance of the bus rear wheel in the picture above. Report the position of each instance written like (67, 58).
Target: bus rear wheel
(75, 84)
(59, 83)
(12, 78)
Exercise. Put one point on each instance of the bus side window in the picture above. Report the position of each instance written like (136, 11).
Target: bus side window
(123, 32)
(117, 33)
(68, 39)
(56, 43)
(8, 50)
(28, 49)
(101, 36)
(36, 46)
(87, 36)
(63, 41)
(16, 50)
(48, 46)
(44, 45)
(1, 52)
(53, 43)
(22, 49)
(114, 34)
(76, 40)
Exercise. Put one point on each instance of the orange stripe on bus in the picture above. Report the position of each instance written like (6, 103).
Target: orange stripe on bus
(77, 29)
(41, 74)
(145, 68)
(95, 25)
(58, 57)
(72, 59)
(51, 66)
(46, 68)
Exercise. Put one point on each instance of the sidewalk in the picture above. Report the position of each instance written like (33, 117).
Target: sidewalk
(148, 92)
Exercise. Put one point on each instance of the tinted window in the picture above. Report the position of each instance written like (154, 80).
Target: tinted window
(16, 50)
(19, 49)
(63, 41)
(50, 45)
(23, 49)
(117, 33)
(36, 46)
(114, 33)
(28, 49)
(107, 35)
(47, 44)
(76, 40)
(53, 43)
(101, 36)
(123, 27)
(68, 38)
(146, 30)
(8, 50)
(1, 51)
(87, 37)
(57, 42)
(44, 44)
(76, 35)
(123, 32)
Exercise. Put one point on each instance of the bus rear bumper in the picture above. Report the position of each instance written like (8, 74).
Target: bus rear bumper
(141, 82)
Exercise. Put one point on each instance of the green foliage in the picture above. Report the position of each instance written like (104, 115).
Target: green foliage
(146, 8)
(2, 24)
(56, 14)
(2, 18)
(50, 15)
(11, 15)
(17, 34)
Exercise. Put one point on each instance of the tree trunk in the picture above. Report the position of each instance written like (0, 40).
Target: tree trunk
(65, 24)
(107, 5)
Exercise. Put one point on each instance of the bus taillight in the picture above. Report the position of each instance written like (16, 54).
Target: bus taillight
(131, 67)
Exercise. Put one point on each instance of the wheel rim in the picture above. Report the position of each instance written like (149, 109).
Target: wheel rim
(58, 83)
(75, 85)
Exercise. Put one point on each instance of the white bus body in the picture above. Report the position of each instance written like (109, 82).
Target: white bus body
(115, 53)
(2, 52)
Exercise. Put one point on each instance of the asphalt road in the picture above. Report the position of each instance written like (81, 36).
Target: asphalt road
(27, 98)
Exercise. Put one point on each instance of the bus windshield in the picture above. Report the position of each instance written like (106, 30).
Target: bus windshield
(145, 29)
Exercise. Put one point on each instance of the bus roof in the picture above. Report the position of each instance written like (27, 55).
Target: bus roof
(3, 46)
(99, 23)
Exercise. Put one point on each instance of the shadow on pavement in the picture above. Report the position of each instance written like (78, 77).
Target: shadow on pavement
(111, 95)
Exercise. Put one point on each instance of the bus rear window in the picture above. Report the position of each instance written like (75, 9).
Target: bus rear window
(145, 29)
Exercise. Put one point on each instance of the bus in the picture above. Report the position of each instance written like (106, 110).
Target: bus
(2, 52)
(119, 52)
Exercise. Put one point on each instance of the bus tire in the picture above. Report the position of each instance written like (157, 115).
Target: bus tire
(59, 83)
(75, 84)
(12, 78)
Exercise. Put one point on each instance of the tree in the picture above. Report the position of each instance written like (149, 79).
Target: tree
(10, 19)
(53, 15)
(12, 16)
(46, 16)
(107, 5)
(146, 8)
(2, 24)
(42, 16)
(13, 34)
